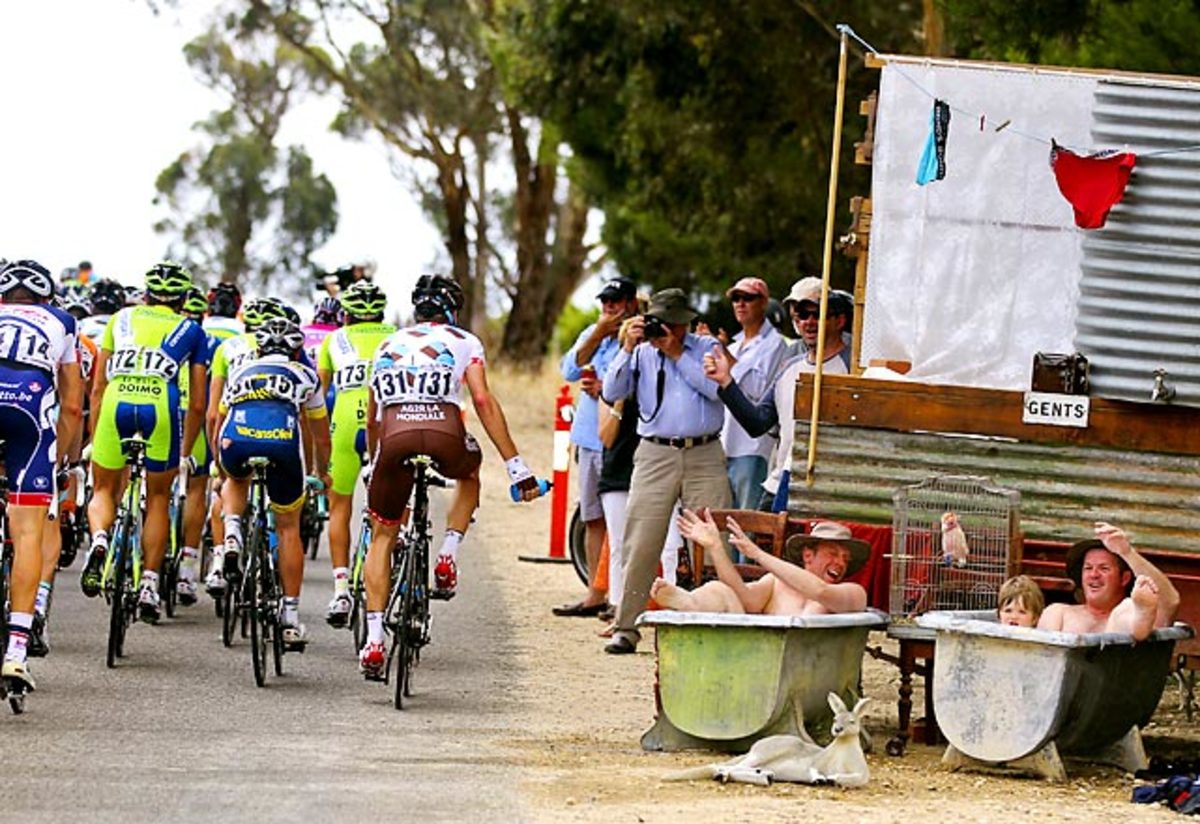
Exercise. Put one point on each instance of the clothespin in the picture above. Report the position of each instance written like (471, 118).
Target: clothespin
(982, 121)
(1003, 125)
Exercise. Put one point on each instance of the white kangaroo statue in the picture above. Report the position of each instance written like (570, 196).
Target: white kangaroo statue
(796, 758)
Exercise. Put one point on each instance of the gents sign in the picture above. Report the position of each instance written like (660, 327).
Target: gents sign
(1056, 410)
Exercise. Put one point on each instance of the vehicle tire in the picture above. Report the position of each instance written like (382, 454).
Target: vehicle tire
(577, 540)
(117, 604)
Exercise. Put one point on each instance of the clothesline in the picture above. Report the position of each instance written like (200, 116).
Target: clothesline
(1006, 124)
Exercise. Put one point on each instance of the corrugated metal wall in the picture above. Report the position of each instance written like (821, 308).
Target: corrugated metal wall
(1156, 497)
(1139, 303)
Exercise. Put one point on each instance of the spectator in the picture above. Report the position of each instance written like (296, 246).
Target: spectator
(680, 454)
(586, 361)
(1103, 568)
(1021, 602)
(756, 353)
(776, 409)
(828, 555)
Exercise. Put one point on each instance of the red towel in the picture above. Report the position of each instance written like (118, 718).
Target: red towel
(1093, 184)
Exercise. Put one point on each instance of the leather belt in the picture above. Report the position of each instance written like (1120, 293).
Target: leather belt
(684, 443)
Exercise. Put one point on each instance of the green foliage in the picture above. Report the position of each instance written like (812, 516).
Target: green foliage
(237, 206)
(705, 135)
(570, 324)
(1134, 35)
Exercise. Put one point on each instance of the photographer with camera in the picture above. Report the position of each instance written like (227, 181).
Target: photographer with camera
(680, 455)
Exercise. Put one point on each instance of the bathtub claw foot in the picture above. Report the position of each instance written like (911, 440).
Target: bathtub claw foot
(1129, 753)
(1045, 763)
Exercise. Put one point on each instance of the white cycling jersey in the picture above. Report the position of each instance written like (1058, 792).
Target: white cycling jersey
(424, 364)
(37, 335)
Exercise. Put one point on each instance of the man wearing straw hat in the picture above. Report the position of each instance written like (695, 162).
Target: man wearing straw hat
(680, 455)
(809, 580)
(1122, 591)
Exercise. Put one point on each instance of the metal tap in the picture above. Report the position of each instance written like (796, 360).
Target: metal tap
(1162, 392)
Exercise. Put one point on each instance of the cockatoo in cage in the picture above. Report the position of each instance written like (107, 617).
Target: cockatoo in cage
(954, 542)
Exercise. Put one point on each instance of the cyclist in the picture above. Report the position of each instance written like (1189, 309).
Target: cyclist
(345, 364)
(224, 301)
(137, 391)
(260, 417)
(195, 306)
(414, 408)
(228, 354)
(39, 369)
(58, 540)
(105, 299)
(327, 318)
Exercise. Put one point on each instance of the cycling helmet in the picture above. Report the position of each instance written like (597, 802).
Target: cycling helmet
(279, 336)
(168, 280)
(287, 311)
(363, 299)
(328, 312)
(134, 296)
(195, 303)
(27, 274)
(74, 302)
(257, 310)
(224, 300)
(437, 295)
(106, 297)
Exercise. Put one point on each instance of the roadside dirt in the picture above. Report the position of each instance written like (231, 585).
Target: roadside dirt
(584, 711)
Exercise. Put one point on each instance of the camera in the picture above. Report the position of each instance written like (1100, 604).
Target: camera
(653, 327)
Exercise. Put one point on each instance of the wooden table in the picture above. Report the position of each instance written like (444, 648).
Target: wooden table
(916, 644)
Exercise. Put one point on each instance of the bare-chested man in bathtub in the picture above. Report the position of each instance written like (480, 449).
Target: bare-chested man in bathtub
(828, 554)
(1103, 568)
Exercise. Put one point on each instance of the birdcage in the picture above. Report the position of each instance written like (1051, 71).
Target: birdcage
(929, 568)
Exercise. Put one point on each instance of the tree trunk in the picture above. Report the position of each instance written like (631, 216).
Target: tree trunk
(528, 328)
(452, 183)
(478, 317)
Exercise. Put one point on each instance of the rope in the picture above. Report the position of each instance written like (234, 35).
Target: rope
(1006, 125)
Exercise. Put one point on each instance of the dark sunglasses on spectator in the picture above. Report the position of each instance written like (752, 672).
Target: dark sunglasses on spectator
(805, 314)
(742, 297)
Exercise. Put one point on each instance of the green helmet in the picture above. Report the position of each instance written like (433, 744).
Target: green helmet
(168, 280)
(195, 302)
(363, 299)
(255, 312)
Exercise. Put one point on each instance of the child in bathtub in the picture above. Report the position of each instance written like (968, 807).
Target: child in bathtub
(815, 585)
(1021, 602)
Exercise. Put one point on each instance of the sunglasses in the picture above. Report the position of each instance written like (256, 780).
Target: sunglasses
(742, 297)
(805, 314)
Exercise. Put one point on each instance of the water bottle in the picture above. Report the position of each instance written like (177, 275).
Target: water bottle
(544, 486)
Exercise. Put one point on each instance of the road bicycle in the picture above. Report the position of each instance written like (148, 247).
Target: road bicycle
(406, 618)
(313, 516)
(174, 556)
(261, 588)
(358, 589)
(14, 689)
(123, 562)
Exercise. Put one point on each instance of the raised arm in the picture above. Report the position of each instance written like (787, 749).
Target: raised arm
(703, 531)
(1116, 541)
(840, 597)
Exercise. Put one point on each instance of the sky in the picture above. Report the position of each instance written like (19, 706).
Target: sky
(96, 99)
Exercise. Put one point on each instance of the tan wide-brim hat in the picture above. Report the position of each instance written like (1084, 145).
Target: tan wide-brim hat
(833, 533)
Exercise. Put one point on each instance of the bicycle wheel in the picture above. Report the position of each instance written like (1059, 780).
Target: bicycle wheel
(121, 582)
(256, 606)
(228, 610)
(358, 616)
(402, 637)
(272, 589)
(577, 541)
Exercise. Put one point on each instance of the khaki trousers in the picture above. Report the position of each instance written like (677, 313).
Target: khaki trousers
(661, 476)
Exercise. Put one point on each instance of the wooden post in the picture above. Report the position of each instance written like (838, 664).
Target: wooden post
(827, 258)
